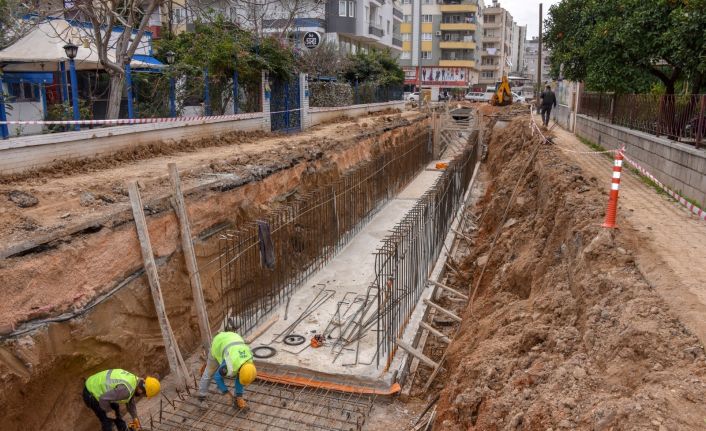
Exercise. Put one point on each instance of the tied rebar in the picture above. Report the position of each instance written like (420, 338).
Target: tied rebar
(308, 231)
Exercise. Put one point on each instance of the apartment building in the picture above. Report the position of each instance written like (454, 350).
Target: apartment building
(530, 61)
(496, 49)
(519, 35)
(439, 45)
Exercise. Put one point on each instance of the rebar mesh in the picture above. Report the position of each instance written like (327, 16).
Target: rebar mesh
(307, 232)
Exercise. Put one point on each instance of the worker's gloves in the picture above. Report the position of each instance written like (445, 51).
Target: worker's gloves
(241, 403)
(135, 425)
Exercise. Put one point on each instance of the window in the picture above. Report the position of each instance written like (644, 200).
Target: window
(177, 16)
(488, 74)
(426, 18)
(428, 1)
(388, 26)
(406, 55)
(23, 92)
(342, 5)
(489, 19)
(351, 9)
(407, 18)
(367, 14)
(406, 37)
(426, 55)
(426, 36)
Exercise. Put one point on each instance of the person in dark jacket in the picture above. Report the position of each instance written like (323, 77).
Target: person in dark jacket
(548, 102)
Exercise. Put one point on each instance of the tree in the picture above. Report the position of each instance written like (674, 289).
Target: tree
(12, 24)
(375, 66)
(326, 60)
(624, 45)
(116, 30)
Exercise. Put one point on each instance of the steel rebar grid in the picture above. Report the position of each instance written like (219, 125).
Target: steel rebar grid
(272, 406)
(308, 231)
(405, 259)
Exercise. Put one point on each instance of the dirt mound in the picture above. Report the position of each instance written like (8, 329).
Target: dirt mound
(564, 332)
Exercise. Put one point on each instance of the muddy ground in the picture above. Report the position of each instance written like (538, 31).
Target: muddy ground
(564, 331)
(79, 302)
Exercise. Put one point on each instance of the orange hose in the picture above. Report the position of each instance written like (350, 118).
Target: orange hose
(307, 382)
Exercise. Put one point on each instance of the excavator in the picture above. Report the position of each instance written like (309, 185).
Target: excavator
(503, 94)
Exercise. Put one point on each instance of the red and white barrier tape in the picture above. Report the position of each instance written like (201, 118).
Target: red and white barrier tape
(124, 121)
(700, 213)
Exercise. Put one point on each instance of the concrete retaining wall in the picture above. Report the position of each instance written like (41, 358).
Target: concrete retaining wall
(678, 166)
(27, 152)
(322, 115)
(563, 115)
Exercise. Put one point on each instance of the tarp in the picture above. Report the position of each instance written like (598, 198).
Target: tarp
(42, 49)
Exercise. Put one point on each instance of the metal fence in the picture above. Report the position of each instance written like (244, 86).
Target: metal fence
(261, 263)
(404, 261)
(678, 117)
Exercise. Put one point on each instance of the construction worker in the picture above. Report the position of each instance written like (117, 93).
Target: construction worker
(229, 357)
(548, 102)
(104, 392)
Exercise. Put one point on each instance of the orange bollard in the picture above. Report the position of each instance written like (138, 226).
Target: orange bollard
(612, 210)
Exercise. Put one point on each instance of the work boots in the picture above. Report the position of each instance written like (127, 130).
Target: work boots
(203, 405)
(241, 403)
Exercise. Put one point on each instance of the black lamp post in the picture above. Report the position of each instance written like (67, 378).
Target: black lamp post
(172, 85)
(71, 51)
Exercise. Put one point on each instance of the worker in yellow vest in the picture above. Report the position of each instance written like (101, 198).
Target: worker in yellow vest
(104, 392)
(229, 357)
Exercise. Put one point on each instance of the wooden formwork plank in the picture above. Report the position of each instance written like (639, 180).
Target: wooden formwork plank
(442, 310)
(434, 331)
(449, 289)
(416, 353)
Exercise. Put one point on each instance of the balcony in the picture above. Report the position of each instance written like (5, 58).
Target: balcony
(397, 13)
(489, 66)
(495, 39)
(460, 44)
(375, 31)
(458, 26)
(397, 42)
(457, 63)
(464, 7)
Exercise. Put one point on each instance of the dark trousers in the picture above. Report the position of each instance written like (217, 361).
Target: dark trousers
(545, 111)
(106, 423)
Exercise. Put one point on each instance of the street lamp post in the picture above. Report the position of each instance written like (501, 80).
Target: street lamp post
(71, 50)
(172, 86)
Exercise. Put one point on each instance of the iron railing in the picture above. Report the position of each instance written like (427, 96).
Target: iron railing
(308, 231)
(407, 256)
(677, 117)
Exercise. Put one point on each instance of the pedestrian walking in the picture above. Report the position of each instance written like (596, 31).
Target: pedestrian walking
(548, 102)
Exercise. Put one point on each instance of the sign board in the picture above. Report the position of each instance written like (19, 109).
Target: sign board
(311, 39)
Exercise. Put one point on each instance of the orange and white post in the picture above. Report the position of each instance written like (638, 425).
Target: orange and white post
(612, 210)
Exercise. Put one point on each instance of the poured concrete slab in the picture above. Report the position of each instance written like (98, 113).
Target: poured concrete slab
(338, 291)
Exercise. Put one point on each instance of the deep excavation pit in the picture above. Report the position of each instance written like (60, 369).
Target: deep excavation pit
(81, 303)
(563, 332)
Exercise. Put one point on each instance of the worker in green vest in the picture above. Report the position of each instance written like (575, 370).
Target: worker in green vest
(229, 357)
(104, 392)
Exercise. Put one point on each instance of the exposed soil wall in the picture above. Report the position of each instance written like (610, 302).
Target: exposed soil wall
(564, 331)
(41, 371)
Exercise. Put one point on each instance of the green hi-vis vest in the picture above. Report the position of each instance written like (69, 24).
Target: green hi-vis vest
(105, 381)
(238, 352)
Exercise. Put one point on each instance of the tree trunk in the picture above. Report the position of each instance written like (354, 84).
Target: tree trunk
(117, 81)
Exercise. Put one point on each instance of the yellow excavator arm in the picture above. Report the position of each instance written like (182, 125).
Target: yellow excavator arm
(503, 94)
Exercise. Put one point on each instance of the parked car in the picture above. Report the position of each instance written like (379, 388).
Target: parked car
(477, 96)
(414, 97)
(516, 98)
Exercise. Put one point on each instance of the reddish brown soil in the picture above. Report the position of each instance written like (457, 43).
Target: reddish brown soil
(565, 332)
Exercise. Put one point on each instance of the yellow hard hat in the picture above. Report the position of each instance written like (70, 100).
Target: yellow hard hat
(151, 386)
(247, 373)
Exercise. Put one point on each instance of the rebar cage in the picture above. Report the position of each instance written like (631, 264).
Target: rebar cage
(307, 233)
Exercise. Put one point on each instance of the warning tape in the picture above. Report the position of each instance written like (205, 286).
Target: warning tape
(700, 213)
(127, 121)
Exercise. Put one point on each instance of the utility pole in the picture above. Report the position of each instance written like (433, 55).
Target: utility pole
(539, 55)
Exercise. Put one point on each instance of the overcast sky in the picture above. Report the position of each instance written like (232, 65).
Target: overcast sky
(526, 12)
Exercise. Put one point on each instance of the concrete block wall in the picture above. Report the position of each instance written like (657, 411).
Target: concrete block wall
(304, 101)
(322, 115)
(27, 152)
(678, 166)
(564, 116)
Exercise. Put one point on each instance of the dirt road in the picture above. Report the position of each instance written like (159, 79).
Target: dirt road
(671, 240)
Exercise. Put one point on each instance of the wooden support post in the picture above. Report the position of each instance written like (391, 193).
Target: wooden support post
(442, 310)
(187, 246)
(434, 331)
(176, 362)
(448, 289)
(416, 353)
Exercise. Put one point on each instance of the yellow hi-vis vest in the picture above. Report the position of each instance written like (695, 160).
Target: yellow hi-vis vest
(105, 381)
(232, 343)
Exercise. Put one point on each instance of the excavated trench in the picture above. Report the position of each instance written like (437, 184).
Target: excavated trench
(563, 330)
(110, 320)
